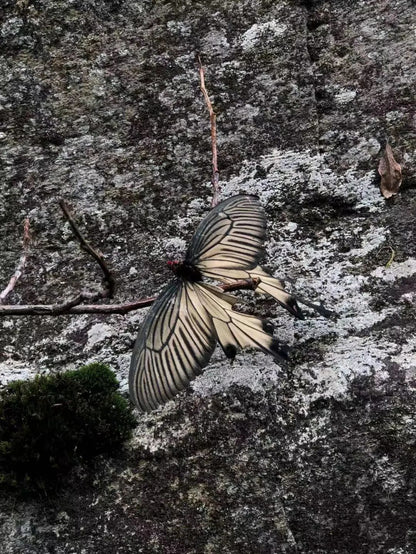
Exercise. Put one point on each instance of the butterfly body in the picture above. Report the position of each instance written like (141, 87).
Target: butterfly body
(190, 316)
(185, 271)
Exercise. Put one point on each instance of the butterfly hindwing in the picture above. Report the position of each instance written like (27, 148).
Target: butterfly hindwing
(235, 329)
(267, 285)
(179, 335)
(231, 236)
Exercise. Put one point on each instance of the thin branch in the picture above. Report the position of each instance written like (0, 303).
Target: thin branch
(67, 309)
(213, 121)
(96, 254)
(21, 265)
(74, 306)
(241, 284)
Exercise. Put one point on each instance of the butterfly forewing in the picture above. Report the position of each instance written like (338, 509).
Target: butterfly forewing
(176, 341)
(231, 236)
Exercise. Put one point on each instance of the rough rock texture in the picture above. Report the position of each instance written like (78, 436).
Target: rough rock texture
(99, 104)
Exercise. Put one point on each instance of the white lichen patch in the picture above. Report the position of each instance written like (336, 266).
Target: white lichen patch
(145, 434)
(215, 42)
(344, 96)
(98, 333)
(391, 480)
(254, 371)
(260, 31)
(396, 271)
(13, 370)
(174, 248)
(304, 172)
(310, 434)
(364, 149)
(126, 181)
(179, 28)
(344, 360)
(11, 27)
(7, 324)
(370, 241)
(407, 358)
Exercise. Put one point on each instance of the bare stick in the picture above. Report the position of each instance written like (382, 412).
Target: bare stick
(213, 121)
(96, 254)
(21, 265)
(67, 308)
(72, 306)
(241, 284)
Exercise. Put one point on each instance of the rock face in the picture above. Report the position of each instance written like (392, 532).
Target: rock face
(100, 105)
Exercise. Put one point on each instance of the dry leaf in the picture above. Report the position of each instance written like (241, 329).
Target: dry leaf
(390, 172)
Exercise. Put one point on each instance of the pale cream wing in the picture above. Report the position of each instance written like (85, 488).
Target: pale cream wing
(175, 342)
(230, 236)
(268, 285)
(234, 329)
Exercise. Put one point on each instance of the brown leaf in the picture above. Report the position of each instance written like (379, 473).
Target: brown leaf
(390, 172)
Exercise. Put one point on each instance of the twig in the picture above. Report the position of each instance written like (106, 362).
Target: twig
(21, 265)
(109, 282)
(241, 284)
(73, 306)
(213, 121)
(67, 308)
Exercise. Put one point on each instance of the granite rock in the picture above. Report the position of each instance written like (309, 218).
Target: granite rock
(100, 105)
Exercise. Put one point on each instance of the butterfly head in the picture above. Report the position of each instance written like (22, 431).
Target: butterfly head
(173, 265)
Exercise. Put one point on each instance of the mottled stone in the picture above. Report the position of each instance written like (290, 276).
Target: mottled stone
(100, 105)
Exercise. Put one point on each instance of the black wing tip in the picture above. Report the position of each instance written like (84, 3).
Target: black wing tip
(230, 351)
(279, 350)
(268, 326)
(293, 307)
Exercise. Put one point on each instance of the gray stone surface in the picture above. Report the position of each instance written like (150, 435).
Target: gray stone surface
(100, 105)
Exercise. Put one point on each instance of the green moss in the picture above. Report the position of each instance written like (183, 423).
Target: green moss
(52, 423)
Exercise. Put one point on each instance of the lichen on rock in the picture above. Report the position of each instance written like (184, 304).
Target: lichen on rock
(100, 105)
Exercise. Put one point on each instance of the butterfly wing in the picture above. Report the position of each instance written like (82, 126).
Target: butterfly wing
(230, 237)
(179, 333)
(175, 342)
(235, 329)
(267, 285)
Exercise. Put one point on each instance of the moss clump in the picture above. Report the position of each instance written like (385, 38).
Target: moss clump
(52, 423)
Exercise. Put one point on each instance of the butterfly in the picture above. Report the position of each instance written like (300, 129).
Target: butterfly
(181, 330)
